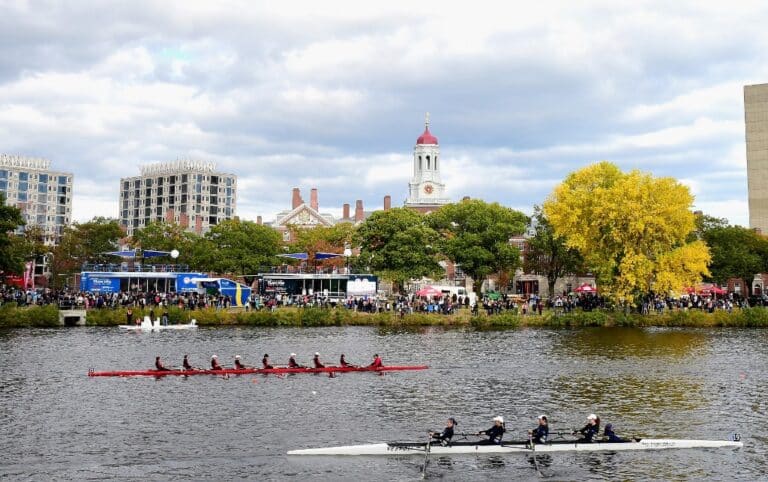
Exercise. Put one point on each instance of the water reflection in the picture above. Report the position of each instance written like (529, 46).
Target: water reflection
(620, 343)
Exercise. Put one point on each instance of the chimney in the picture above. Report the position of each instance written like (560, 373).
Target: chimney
(258, 220)
(296, 198)
(313, 199)
(387, 202)
(345, 211)
(358, 210)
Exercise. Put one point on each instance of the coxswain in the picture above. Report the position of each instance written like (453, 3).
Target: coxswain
(446, 435)
(317, 362)
(539, 434)
(238, 363)
(292, 362)
(377, 363)
(265, 363)
(590, 430)
(494, 433)
(186, 364)
(215, 363)
(343, 362)
(159, 365)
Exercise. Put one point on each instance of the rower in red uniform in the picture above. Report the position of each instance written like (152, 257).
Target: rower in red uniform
(159, 365)
(343, 362)
(316, 359)
(186, 364)
(292, 362)
(377, 363)
(238, 364)
(265, 363)
(215, 363)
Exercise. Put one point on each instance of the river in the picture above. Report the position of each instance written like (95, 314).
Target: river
(59, 424)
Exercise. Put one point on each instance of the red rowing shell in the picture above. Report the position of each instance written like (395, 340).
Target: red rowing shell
(251, 371)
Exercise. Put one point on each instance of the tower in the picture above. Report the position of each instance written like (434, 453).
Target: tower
(426, 189)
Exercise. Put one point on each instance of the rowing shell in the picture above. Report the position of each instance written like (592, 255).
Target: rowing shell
(147, 325)
(251, 371)
(516, 447)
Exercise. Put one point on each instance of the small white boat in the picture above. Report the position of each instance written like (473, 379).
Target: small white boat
(415, 448)
(148, 325)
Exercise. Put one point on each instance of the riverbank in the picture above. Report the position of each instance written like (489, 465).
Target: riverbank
(12, 316)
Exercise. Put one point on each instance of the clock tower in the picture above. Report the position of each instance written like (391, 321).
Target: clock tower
(426, 190)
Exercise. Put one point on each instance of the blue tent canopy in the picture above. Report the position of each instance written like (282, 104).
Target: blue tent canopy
(327, 255)
(147, 253)
(294, 255)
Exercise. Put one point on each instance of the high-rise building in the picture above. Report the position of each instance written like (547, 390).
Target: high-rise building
(189, 193)
(43, 196)
(756, 123)
(426, 189)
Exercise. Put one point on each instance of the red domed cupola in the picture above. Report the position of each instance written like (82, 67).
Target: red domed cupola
(426, 137)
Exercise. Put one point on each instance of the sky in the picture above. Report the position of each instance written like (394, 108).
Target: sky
(333, 94)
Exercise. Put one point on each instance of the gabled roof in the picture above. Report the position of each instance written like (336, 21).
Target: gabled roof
(303, 215)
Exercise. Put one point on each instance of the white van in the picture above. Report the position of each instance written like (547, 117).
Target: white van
(461, 291)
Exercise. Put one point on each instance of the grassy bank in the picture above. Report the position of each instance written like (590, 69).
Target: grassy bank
(12, 316)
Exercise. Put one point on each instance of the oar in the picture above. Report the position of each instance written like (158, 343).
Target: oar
(427, 449)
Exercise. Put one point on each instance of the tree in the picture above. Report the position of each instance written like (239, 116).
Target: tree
(398, 245)
(631, 229)
(165, 236)
(736, 253)
(476, 235)
(11, 259)
(548, 255)
(85, 242)
(239, 247)
(322, 239)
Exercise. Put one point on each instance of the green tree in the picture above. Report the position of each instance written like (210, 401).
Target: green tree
(631, 228)
(398, 245)
(476, 236)
(548, 254)
(86, 242)
(165, 236)
(737, 252)
(323, 239)
(238, 247)
(11, 257)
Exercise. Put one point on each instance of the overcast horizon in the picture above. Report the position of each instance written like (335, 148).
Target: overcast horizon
(333, 95)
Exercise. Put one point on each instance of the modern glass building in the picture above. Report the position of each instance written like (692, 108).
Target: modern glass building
(43, 196)
(189, 193)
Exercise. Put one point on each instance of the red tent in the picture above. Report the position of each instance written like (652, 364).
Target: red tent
(586, 288)
(429, 291)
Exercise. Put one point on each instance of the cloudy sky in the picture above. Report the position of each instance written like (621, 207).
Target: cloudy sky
(333, 94)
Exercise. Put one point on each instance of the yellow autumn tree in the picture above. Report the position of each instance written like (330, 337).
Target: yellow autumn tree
(631, 229)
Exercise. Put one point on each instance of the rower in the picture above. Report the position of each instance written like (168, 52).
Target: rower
(292, 362)
(610, 436)
(343, 362)
(317, 362)
(539, 434)
(446, 435)
(215, 363)
(238, 363)
(377, 363)
(494, 433)
(265, 363)
(186, 364)
(590, 430)
(159, 365)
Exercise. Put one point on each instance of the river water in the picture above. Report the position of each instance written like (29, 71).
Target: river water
(58, 424)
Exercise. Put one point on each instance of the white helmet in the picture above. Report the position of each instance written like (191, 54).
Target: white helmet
(542, 417)
(499, 419)
(592, 416)
(237, 357)
(214, 356)
(293, 354)
(317, 353)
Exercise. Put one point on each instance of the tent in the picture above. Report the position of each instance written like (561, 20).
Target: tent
(319, 256)
(137, 253)
(302, 256)
(586, 288)
(429, 291)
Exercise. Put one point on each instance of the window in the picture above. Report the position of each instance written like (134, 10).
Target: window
(137, 185)
(215, 180)
(59, 220)
(148, 192)
(23, 176)
(229, 181)
(147, 211)
(183, 198)
(148, 202)
(126, 185)
(61, 210)
(23, 186)
(214, 210)
(3, 174)
(22, 196)
(214, 190)
(184, 178)
(42, 198)
(159, 211)
(159, 191)
(43, 178)
(214, 200)
(3, 184)
(41, 219)
(159, 200)
(159, 181)
(172, 179)
(62, 189)
(212, 220)
(184, 188)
